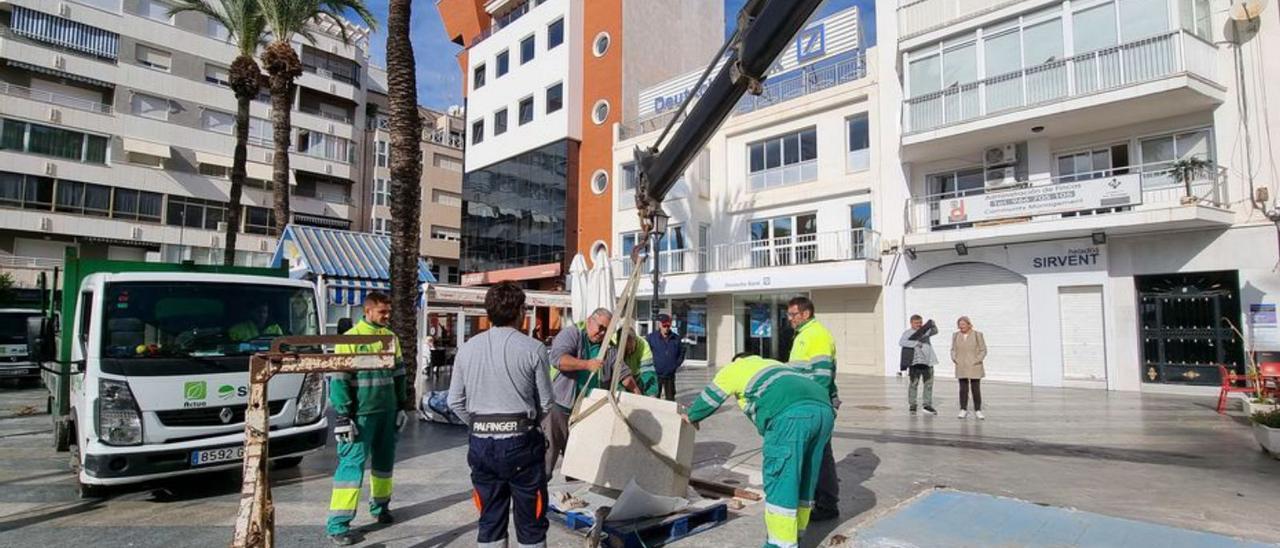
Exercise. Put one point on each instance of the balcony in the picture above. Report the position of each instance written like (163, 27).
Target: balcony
(54, 99)
(916, 17)
(840, 258)
(1165, 75)
(443, 138)
(1130, 200)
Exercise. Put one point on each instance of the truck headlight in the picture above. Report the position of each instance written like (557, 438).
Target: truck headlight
(119, 422)
(310, 399)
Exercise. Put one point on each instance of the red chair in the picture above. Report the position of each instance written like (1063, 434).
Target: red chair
(1229, 379)
(1269, 376)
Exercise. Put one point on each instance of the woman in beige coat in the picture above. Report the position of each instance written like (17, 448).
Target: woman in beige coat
(968, 349)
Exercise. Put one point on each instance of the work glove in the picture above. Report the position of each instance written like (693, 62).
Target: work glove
(835, 402)
(344, 430)
(401, 418)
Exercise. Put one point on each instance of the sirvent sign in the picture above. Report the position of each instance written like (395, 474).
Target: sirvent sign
(835, 34)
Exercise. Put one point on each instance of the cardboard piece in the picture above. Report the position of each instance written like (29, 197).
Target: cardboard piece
(602, 450)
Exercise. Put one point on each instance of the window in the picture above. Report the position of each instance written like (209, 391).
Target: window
(380, 152)
(477, 132)
(629, 176)
(527, 46)
(215, 170)
(381, 192)
(447, 162)
(147, 160)
(502, 65)
(217, 75)
(137, 205)
(381, 226)
(52, 141)
(150, 106)
(555, 98)
(600, 45)
(859, 143)
(195, 213)
(330, 66)
(526, 110)
(25, 191)
(323, 145)
(86, 320)
(500, 122)
(214, 29)
(860, 215)
(154, 58)
(261, 132)
(784, 240)
(259, 220)
(784, 160)
(1197, 17)
(82, 198)
(555, 34)
(155, 10)
(1143, 18)
(477, 76)
(447, 199)
(1093, 164)
(1159, 153)
(446, 234)
(221, 122)
(599, 182)
(1094, 28)
(600, 112)
(1042, 42)
(670, 249)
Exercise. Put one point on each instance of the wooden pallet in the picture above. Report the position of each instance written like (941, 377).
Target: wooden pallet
(652, 531)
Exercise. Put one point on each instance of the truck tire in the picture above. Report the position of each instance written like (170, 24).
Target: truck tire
(84, 490)
(287, 462)
(62, 434)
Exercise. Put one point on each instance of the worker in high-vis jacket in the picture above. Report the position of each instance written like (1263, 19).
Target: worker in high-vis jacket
(793, 413)
(639, 360)
(812, 347)
(369, 406)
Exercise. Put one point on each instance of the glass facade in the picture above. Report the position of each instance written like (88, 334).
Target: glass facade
(513, 211)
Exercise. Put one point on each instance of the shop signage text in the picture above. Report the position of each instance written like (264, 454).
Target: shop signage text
(1046, 199)
(1074, 257)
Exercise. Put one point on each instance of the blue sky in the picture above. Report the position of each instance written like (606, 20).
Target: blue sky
(440, 84)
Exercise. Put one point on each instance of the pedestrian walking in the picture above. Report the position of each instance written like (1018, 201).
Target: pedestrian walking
(920, 361)
(968, 350)
(668, 355)
(369, 408)
(793, 413)
(501, 390)
(813, 343)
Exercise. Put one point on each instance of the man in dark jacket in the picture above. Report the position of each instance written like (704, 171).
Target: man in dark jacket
(668, 356)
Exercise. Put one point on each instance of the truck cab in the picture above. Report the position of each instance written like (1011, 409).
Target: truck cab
(158, 371)
(14, 360)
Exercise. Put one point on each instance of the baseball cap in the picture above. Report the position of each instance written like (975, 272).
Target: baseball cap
(664, 319)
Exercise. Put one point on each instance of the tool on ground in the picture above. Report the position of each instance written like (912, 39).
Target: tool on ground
(255, 522)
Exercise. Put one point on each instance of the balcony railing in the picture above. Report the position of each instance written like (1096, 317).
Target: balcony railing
(335, 116)
(36, 263)
(445, 138)
(823, 247)
(920, 16)
(1094, 193)
(1115, 67)
(54, 99)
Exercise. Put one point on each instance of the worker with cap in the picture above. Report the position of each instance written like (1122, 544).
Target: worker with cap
(668, 356)
(814, 346)
(501, 390)
(369, 406)
(793, 413)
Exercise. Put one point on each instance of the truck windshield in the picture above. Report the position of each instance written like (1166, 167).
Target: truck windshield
(184, 319)
(13, 326)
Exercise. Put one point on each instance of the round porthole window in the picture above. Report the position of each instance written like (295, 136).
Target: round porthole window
(601, 44)
(600, 181)
(600, 112)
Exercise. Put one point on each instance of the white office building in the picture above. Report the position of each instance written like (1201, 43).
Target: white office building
(1078, 177)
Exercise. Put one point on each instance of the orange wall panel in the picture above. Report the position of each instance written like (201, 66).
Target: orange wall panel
(602, 80)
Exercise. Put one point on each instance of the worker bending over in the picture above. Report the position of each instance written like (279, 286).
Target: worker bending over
(814, 345)
(793, 413)
(639, 360)
(501, 390)
(370, 413)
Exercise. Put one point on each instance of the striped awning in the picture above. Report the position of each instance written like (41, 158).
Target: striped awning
(352, 264)
(353, 292)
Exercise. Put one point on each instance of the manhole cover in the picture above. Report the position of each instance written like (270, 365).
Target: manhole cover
(872, 407)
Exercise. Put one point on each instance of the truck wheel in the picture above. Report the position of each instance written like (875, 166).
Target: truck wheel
(84, 490)
(61, 434)
(287, 462)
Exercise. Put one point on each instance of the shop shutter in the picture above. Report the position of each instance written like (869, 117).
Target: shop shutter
(1084, 355)
(995, 300)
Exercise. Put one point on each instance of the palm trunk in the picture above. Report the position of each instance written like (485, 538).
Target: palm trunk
(237, 177)
(283, 67)
(406, 190)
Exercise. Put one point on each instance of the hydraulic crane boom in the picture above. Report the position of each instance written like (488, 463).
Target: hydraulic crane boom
(765, 28)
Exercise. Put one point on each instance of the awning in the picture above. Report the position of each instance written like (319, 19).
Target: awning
(353, 292)
(213, 159)
(145, 147)
(59, 74)
(351, 263)
(261, 172)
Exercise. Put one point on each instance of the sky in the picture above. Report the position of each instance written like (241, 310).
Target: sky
(440, 83)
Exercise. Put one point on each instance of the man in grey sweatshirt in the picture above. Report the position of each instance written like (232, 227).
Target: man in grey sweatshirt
(501, 389)
(922, 361)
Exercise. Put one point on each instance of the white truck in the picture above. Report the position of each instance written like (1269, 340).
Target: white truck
(14, 363)
(157, 359)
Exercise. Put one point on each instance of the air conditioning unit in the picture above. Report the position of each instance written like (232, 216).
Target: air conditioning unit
(46, 224)
(64, 10)
(333, 88)
(55, 116)
(51, 169)
(889, 245)
(215, 241)
(137, 233)
(269, 158)
(222, 227)
(328, 169)
(1001, 177)
(59, 62)
(262, 245)
(1000, 156)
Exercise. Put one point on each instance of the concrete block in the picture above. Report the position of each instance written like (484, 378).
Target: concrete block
(603, 451)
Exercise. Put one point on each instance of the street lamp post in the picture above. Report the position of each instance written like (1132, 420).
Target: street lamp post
(660, 219)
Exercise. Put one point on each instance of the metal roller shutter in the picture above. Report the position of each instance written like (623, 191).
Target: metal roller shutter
(1084, 350)
(995, 300)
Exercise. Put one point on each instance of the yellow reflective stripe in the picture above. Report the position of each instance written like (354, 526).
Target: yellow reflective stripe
(802, 518)
(379, 487)
(783, 529)
(344, 499)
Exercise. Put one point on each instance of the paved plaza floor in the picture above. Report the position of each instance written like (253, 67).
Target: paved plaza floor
(1147, 459)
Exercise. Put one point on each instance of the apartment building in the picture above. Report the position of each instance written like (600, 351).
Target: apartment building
(1078, 177)
(546, 81)
(783, 202)
(118, 122)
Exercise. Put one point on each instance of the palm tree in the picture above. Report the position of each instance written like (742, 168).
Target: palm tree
(286, 19)
(246, 30)
(406, 190)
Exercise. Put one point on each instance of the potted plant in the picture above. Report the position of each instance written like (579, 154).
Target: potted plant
(1187, 170)
(1266, 429)
(1258, 400)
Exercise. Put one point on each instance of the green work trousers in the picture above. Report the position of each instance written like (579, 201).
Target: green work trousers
(375, 444)
(793, 444)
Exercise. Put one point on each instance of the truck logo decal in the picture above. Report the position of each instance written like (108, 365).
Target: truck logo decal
(225, 392)
(225, 415)
(196, 390)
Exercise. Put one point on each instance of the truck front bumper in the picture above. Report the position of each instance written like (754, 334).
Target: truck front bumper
(133, 467)
(19, 370)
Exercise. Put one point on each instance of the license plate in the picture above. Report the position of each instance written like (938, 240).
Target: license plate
(13, 371)
(214, 456)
